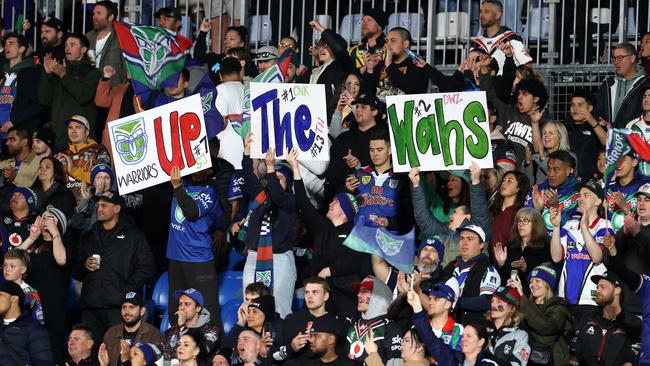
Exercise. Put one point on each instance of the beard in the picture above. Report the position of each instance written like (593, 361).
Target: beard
(427, 267)
(132, 322)
(604, 300)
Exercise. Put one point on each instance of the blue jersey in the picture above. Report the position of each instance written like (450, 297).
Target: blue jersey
(644, 294)
(575, 280)
(191, 241)
(380, 193)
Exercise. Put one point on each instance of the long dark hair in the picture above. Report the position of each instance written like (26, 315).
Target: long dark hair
(524, 186)
(58, 170)
(199, 339)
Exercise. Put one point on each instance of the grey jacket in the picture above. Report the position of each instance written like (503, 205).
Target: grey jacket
(430, 226)
(111, 55)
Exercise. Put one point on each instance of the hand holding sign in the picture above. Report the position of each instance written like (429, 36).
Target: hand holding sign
(175, 177)
(269, 160)
(248, 142)
(414, 177)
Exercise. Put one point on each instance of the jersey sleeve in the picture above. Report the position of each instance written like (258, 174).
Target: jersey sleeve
(519, 53)
(206, 200)
(490, 282)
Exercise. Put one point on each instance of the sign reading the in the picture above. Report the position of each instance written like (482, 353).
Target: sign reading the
(147, 145)
(289, 115)
(444, 131)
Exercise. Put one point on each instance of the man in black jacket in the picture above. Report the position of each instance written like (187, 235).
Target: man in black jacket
(114, 258)
(23, 340)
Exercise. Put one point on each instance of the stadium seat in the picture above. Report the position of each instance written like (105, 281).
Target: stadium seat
(160, 292)
(326, 21)
(298, 299)
(229, 314)
(235, 261)
(414, 22)
(260, 29)
(230, 286)
(73, 301)
(351, 27)
(537, 28)
(452, 25)
(164, 323)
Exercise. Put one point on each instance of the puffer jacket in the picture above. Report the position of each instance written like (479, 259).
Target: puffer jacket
(547, 324)
(508, 345)
(28, 339)
(126, 264)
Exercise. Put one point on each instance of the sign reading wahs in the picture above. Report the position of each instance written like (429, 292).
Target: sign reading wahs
(146, 146)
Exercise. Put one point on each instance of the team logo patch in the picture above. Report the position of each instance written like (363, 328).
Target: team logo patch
(365, 179)
(130, 141)
(15, 239)
(393, 183)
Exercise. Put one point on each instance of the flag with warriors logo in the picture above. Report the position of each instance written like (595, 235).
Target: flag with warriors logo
(620, 142)
(154, 56)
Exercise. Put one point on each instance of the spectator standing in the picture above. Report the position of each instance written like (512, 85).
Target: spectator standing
(621, 191)
(23, 338)
(50, 187)
(22, 168)
(52, 34)
(266, 57)
(19, 104)
(103, 47)
(401, 68)
(623, 89)
(132, 330)
(642, 124)
(230, 102)
(80, 347)
(82, 154)
(195, 214)
(114, 258)
(120, 100)
(587, 135)
(508, 200)
(169, 18)
(373, 43)
(70, 87)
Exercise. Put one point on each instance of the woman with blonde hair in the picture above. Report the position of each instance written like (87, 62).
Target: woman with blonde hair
(554, 137)
(507, 343)
(546, 316)
(528, 247)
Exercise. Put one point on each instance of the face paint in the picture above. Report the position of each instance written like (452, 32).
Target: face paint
(501, 307)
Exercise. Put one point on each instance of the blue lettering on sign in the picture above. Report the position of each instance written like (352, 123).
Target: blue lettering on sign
(282, 127)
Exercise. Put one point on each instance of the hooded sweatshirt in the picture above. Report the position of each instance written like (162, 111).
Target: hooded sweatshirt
(386, 334)
(622, 87)
(173, 335)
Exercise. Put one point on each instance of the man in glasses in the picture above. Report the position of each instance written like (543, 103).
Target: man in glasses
(619, 97)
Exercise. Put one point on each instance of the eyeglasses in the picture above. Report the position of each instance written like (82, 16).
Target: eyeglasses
(619, 58)
(286, 45)
(523, 221)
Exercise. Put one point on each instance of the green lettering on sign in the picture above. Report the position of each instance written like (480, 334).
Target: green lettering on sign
(445, 129)
(472, 116)
(403, 134)
(425, 135)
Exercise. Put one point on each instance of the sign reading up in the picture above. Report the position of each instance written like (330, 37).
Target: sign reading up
(147, 145)
(289, 115)
(444, 131)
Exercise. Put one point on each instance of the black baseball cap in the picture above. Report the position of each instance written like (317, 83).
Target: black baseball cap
(367, 99)
(132, 297)
(169, 12)
(327, 324)
(54, 23)
(609, 276)
(13, 289)
(110, 196)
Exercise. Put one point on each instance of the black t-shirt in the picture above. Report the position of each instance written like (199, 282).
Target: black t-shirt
(129, 336)
(585, 144)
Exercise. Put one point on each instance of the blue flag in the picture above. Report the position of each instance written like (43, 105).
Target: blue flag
(398, 250)
(214, 122)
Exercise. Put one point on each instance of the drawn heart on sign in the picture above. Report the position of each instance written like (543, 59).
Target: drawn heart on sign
(424, 105)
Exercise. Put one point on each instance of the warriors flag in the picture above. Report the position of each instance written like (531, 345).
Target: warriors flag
(154, 56)
(620, 142)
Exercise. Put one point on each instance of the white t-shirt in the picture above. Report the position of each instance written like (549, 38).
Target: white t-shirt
(230, 100)
(99, 48)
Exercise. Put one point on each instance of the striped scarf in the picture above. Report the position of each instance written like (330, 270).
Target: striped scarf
(264, 264)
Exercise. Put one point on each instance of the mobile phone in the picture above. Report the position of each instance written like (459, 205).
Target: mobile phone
(513, 274)
(412, 55)
(268, 328)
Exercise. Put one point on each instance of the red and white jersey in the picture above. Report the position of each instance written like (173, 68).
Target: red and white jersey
(489, 44)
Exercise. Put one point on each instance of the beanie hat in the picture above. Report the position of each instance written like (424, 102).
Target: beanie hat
(30, 197)
(287, 172)
(266, 304)
(348, 204)
(102, 168)
(60, 216)
(46, 135)
(544, 273)
(378, 15)
(436, 244)
(151, 353)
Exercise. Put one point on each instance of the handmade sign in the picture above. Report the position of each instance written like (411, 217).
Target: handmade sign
(289, 115)
(147, 145)
(444, 131)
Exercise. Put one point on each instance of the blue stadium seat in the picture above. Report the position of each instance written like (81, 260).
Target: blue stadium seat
(73, 301)
(229, 314)
(164, 323)
(235, 260)
(230, 286)
(298, 299)
(160, 292)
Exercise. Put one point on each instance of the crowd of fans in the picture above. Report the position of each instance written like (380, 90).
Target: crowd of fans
(534, 261)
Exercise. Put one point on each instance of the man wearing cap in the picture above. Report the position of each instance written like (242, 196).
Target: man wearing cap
(430, 227)
(69, 88)
(19, 105)
(22, 168)
(351, 149)
(104, 48)
(169, 18)
(43, 142)
(132, 330)
(266, 57)
(373, 43)
(437, 315)
(125, 262)
(23, 338)
(373, 299)
(477, 278)
(102, 179)
(82, 154)
(579, 245)
(52, 35)
(606, 336)
(80, 347)
(332, 260)
(191, 314)
(23, 205)
(324, 337)
(621, 192)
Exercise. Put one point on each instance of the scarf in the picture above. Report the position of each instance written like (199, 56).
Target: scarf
(264, 264)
